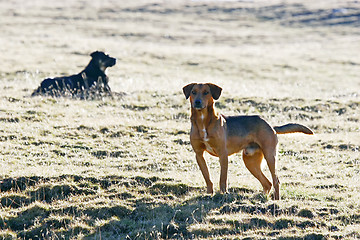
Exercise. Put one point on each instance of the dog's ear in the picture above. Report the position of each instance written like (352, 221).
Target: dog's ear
(215, 91)
(94, 54)
(187, 89)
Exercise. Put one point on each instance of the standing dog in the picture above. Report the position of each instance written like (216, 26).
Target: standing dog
(92, 78)
(222, 136)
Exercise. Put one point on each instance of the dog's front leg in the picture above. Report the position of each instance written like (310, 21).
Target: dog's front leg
(224, 163)
(205, 171)
(107, 88)
(108, 91)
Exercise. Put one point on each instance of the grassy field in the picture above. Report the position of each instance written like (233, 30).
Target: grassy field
(123, 167)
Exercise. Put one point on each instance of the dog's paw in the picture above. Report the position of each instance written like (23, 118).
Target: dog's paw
(210, 189)
(223, 188)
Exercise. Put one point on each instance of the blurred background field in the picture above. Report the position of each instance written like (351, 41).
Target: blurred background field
(294, 48)
(124, 168)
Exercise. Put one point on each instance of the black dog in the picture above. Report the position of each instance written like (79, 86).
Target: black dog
(92, 80)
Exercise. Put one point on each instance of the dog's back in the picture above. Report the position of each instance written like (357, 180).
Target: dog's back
(60, 85)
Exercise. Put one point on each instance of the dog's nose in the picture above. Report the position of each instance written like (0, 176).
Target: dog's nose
(197, 103)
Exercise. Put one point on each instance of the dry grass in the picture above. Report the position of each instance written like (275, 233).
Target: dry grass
(123, 168)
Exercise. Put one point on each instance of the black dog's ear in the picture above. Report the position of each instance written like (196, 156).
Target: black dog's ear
(187, 89)
(215, 90)
(95, 54)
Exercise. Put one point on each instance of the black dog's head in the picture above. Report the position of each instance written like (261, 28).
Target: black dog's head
(102, 60)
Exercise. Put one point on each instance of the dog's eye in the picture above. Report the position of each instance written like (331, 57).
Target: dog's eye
(206, 93)
(193, 92)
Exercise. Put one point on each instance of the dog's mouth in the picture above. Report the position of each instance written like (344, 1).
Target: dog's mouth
(105, 64)
(198, 107)
(108, 63)
(111, 62)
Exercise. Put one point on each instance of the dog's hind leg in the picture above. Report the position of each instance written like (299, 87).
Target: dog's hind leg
(268, 147)
(252, 158)
(271, 162)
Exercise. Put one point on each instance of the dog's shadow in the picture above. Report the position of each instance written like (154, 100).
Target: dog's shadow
(136, 206)
(71, 206)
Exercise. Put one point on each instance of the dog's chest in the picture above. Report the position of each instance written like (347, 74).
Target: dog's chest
(204, 136)
(209, 148)
(205, 140)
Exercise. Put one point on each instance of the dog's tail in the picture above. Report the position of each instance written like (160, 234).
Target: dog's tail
(292, 128)
(36, 92)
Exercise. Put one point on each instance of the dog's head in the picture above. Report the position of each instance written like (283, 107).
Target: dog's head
(103, 60)
(202, 95)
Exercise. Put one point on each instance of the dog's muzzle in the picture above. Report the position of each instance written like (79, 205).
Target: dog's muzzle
(198, 104)
(112, 62)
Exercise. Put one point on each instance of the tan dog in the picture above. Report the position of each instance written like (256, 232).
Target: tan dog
(222, 136)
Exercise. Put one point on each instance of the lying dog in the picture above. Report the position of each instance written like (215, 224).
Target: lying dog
(91, 80)
(222, 136)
